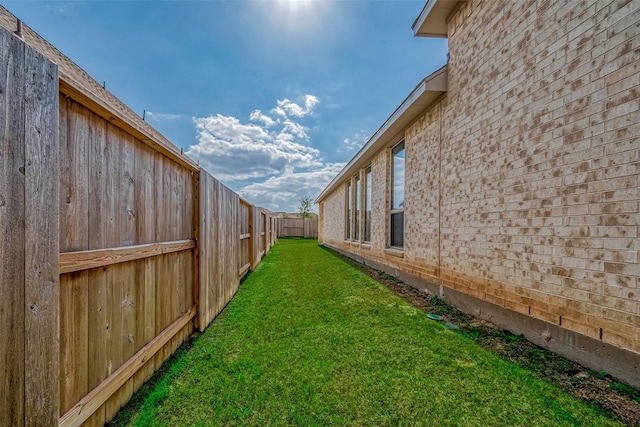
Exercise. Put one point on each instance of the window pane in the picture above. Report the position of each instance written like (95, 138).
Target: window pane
(348, 213)
(367, 207)
(397, 229)
(397, 189)
(356, 227)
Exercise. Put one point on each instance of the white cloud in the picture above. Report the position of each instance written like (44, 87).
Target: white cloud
(268, 160)
(354, 143)
(283, 193)
(295, 129)
(231, 150)
(287, 108)
(161, 116)
(257, 116)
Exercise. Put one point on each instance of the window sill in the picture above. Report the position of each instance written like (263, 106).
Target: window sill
(363, 245)
(398, 252)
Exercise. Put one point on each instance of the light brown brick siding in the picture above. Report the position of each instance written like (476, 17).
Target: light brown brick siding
(523, 182)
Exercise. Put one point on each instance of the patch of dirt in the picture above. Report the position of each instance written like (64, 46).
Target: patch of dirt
(599, 390)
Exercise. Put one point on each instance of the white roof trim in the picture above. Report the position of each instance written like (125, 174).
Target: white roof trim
(432, 21)
(420, 98)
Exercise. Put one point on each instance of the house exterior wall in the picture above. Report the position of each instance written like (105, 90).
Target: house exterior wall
(541, 183)
(422, 193)
(332, 211)
(522, 182)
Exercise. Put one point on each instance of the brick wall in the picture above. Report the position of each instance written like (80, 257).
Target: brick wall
(542, 171)
(422, 194)
(333, 212)
(522, 183)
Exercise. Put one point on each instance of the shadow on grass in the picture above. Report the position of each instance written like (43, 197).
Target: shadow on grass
(600, 391)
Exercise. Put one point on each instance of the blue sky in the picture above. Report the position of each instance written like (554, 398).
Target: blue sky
(273, 97)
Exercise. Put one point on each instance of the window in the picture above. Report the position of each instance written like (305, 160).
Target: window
(367, 204)
(397, 196)
(356, 227)
(347, 233)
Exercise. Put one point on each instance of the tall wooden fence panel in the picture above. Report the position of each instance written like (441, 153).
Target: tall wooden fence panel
(270, 234)
(29, 280)
(256, 235)
(114, 245)
(126, 242)
(275, 223)
(219, 244)
(245, 214)
(298, 227)
(263, 233)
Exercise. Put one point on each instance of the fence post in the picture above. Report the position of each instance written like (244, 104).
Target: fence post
(251, 260)
(29, 248)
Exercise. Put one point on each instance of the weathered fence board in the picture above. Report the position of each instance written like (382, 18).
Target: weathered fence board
(12, 250)
(29, 281)
(41, 241)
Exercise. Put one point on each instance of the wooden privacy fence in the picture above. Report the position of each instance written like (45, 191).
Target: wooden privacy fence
(298, 227)
(114, 245)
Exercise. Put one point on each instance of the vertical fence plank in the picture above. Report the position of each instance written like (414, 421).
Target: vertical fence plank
(209, 269)
(235, 244)
(203, 251)
(12, 230)
(216, 250)
(149, 308)
(144, 208)
(101, 212)
(74, 170)
(177, 293)
(252, 260)
(114, 291)
(127, 218)
(42, 302)
(74, 166)
(158, 261)
(190, 225)
(74, 361)
(255, 236)
(167, 281)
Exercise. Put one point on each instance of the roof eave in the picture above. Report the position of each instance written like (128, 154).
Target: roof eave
(433, 19)
(425, 93)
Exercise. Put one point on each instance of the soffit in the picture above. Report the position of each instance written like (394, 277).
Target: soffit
(432, 21)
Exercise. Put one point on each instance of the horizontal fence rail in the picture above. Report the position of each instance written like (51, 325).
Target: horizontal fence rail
(84, 260)
(91, 402)
(119, 246)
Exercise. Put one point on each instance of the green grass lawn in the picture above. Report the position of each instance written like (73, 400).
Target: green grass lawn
(310, 341)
